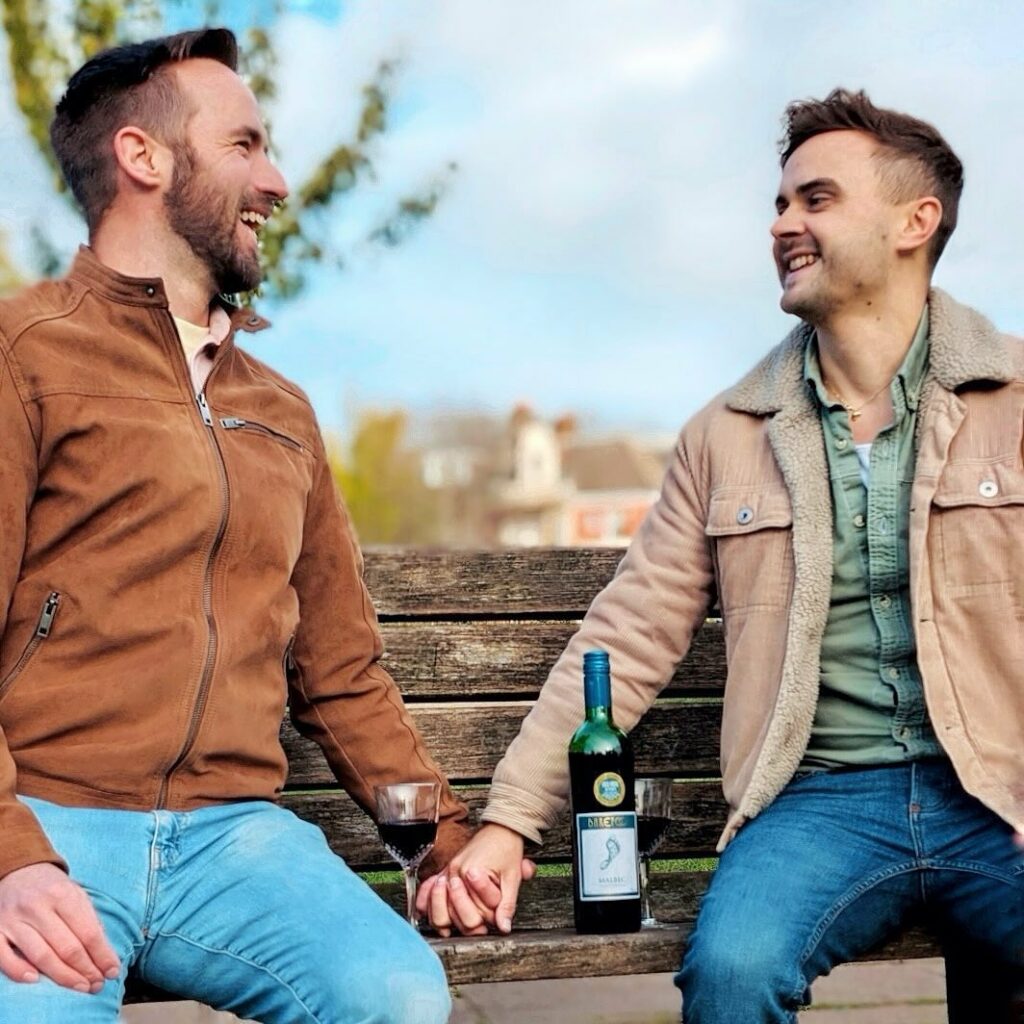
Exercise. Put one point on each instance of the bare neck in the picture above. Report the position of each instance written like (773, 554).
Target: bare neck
(153, 250)
(860, 350)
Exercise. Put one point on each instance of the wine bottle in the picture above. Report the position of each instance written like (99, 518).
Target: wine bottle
(606, 887)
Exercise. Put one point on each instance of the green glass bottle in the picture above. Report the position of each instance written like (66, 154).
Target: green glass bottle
(606, 887)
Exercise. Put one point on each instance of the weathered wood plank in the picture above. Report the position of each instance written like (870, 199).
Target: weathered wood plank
(431, 660)
(699, 810)
(519, 581)
(467, 740)
(531, 956)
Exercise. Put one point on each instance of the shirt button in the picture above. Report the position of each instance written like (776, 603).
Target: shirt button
(988, 488)
(903, 733)
(892, 672)
(150, 290)
(858, 520)
(744, 516)
(841, 443)
(885, 600)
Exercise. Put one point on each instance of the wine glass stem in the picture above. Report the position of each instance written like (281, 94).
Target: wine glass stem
(410, 896)
(645, 894)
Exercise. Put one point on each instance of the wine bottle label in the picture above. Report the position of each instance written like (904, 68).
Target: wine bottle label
(609, 789)
(607, 856)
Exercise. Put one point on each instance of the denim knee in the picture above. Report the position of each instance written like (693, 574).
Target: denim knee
(729, 978)
(404, 986)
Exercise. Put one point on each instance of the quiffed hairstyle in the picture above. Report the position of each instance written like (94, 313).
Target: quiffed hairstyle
(913, 159)
(126, 85)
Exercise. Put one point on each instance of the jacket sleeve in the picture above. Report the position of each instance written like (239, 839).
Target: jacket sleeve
(645, 618)
(22, 840)
(341, 697)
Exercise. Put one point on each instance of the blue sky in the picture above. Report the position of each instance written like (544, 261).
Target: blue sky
(603, 247)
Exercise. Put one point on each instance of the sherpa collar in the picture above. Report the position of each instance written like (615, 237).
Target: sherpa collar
(964, 347)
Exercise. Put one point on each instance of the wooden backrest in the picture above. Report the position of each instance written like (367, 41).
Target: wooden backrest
(470, 637)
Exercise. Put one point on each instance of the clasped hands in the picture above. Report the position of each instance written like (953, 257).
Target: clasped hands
(478, 888)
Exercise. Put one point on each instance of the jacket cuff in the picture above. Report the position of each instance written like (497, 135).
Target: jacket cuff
(519, 810)
(24, 846)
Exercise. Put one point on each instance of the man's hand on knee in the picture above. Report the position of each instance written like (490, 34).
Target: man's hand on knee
(49, 926)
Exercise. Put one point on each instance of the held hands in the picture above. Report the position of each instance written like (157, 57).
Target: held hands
(479, 886)
(49, 926)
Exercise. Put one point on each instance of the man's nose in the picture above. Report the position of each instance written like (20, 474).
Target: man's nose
(270, 181)
(787, 222)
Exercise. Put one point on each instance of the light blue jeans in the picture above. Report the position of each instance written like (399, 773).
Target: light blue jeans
(831, 868)
(243, 907)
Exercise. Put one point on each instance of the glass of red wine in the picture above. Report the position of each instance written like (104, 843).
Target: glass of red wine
(407, 823)
(653, 817)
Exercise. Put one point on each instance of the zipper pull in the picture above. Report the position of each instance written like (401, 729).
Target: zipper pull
(204, 409)
(233, 423)
(47, 615)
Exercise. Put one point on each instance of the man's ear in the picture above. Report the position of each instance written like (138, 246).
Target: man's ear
(921, 219)
(148, 163)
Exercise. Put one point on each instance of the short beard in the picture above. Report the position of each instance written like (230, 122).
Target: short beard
(199, 215)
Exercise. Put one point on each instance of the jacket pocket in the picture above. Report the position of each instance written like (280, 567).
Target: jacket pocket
(751, 530)
(44, 625)
(978, 521)
(262, 430)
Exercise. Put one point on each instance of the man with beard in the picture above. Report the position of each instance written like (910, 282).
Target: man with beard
(175, 565)
(856, 506)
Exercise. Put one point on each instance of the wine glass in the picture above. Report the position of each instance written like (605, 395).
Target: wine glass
(654, 815)
(407, 823)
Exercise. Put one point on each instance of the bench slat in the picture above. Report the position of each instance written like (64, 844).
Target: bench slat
(531, 956)
(699, 810)
(432, 660)
(467, 740)
(521, 581)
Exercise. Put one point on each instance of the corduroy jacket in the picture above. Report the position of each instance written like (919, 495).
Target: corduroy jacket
(174, 570)
(745, 516)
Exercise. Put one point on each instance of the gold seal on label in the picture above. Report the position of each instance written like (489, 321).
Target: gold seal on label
(609, 789)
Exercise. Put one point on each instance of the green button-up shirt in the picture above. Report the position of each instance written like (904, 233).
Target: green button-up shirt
(871, 707)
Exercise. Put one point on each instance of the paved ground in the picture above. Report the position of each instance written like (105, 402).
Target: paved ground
(901, 992)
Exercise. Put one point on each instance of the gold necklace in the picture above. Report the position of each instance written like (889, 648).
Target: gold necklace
(852, 412)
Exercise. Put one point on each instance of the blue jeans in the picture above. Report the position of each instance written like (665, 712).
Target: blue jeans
(830, 869)
(243, 907)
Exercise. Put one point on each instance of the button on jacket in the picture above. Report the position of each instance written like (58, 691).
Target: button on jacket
(168, 566)
(745, 514)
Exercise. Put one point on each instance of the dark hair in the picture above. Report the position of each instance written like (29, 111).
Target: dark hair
(120, 86)
(913, 158)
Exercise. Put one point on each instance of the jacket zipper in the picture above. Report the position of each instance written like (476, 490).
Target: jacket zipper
(42, 631)
(211, 644)
(234, 423)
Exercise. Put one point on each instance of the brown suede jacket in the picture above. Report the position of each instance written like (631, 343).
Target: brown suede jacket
(164, 562)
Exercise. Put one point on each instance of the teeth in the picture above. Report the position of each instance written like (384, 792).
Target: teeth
(252, 217)
(801, 261)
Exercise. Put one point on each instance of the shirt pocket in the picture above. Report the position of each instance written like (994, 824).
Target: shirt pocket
(751, 530)
(978, 521)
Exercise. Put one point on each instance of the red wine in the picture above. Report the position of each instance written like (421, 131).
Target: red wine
(606, 884)
(408, 841)
(650, 832)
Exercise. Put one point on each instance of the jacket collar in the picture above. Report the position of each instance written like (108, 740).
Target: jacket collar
(147, 291)
(964, 347)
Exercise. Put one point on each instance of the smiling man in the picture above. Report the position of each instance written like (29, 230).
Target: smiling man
(855, 506)
(175, 566)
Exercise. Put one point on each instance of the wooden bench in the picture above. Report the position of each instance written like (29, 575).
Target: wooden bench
(470, 638)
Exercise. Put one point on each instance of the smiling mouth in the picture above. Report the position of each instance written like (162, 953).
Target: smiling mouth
(253, 220)
(799, 262)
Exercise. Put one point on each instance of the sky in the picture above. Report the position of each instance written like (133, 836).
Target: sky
(603, 246)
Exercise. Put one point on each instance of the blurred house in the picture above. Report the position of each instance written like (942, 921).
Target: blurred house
(534, 482)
